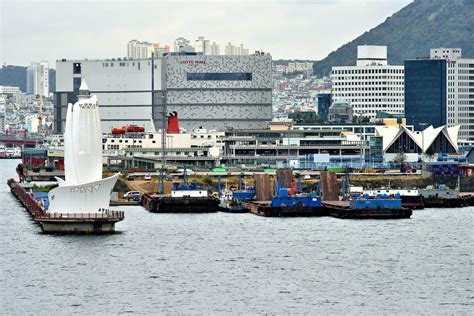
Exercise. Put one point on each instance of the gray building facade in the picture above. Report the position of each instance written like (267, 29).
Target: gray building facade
(215, 92)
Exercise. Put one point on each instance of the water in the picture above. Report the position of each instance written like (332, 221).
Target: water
(238, 263)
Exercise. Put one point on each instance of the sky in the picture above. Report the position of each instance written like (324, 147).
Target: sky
(300, 29)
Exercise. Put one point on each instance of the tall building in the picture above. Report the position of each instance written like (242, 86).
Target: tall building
(324, 102)
(425, 92)
(438, 91)
(142, 50)
(203, 46)
(210, 91)
(182, 45)
(37, 78)
(215, 49)
(460, 93)
(372, 85)
(231, 50)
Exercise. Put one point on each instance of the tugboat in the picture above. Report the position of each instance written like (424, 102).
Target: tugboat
(230, 200)
(442, 196)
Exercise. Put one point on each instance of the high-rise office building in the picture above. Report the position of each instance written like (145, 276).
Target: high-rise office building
(37, 78)
(372, 85)
(425, 92)
(211, 91)
(460, 93)
(440, 91)
(324, 102)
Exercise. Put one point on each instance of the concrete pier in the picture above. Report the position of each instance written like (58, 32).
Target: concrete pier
(66, 223)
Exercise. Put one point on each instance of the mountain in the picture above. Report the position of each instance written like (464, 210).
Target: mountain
(16, 76)
(411, 32)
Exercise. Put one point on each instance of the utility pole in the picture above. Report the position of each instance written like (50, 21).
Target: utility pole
(40, 114)
(161, 182)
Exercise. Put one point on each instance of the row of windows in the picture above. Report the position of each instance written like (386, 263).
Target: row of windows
(375, 111)
(372, 83)
(370, 89)
(369, 77)
(460, 108)
(356, 101)
(230, 76)
(124, 64)
(369, 94)
(368, 71)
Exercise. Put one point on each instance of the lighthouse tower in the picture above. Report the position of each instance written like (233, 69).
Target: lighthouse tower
(83, 190)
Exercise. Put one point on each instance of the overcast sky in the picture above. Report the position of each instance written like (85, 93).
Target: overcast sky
(306, 29)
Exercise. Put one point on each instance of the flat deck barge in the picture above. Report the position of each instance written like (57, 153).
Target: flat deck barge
(342, 209)
(264, 208)
(81, 223)
(165, 203)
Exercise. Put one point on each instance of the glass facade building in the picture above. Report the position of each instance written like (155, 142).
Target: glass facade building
(324, 102)
(425, 92)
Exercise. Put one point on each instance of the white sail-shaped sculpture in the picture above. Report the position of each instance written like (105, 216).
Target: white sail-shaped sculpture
(83, 190)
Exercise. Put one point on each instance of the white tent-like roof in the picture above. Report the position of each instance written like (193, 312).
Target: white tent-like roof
(423, 138)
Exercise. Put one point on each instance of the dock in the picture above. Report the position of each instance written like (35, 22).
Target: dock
(81, 223)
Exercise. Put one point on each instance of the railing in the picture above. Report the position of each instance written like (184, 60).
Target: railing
(107, 214)
(38, 212)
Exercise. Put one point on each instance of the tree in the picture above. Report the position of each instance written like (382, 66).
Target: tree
(400, 158)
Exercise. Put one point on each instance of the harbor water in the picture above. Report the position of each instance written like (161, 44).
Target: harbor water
(238, 263)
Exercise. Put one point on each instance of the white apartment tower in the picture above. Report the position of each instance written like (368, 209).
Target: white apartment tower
(460, 91)
(37, 78)
(203, 46)
(231, 50)
(215, 49)
(372, 85)
(139, 50)
(182, 45)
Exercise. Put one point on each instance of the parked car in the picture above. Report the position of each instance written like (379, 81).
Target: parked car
(147, 177)
(130, 177)
(188, 171)
(132, 195)
(409, 169)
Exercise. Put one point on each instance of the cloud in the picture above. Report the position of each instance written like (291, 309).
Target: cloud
(36, 30)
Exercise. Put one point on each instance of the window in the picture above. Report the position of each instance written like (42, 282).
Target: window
(76, 84)
(76, 68)
(208, 76)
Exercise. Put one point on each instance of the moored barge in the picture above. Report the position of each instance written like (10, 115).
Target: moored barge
(367, 209)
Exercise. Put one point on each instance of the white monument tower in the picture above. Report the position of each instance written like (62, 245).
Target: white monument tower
(83, 190)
